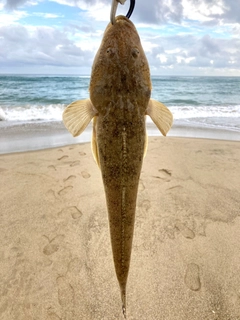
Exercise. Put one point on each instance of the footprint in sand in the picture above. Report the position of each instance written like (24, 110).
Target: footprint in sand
(51, 195)
(192, 277)
(85, 175)
(52, 315)
(66, 297)
(164, 174)
(185, 231)
(175, 187)
(63, 157)
(145, 205)
(75, 266)
(70, 178)
(73, 211)
(52, 167)
(53, 245)
(82, 153)
(50, 249)
(75, 163)
(65, 190)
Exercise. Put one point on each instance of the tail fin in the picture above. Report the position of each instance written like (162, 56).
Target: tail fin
(123, 296)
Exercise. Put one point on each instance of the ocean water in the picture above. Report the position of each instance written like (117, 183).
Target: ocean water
(202, 102)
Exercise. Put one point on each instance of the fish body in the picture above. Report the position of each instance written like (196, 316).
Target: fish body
(121, 94)
(120, 90)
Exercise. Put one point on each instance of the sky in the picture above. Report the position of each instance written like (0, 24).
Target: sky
(179, 37)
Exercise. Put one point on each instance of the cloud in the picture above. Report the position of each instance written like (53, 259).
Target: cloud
(12, 18)
(42, 46)
(155, 12)
(214, 11)
(231, 13)
(164, 11)
(48, 15)
(15, 4)
(83, 4)
(180, 37)
(161, 12)
(191, 53)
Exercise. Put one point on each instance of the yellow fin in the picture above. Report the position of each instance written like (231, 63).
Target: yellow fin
(160, 115)
(77, 116)
(94, 142)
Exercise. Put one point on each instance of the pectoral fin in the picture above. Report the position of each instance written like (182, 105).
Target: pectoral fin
(94, 142)
(77, 116)
(160, 115)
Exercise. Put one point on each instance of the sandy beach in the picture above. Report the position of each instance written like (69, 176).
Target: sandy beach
(55, 254)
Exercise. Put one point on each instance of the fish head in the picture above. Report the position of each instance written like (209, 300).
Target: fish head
(120, 68)
(120, 85)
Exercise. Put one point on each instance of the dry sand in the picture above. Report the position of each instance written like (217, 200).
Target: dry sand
(55, 253)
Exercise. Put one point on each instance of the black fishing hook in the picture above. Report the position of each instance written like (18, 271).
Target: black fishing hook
(131, 8)
(114, 9)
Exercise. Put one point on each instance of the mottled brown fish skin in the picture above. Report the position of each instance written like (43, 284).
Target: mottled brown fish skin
(120, 90)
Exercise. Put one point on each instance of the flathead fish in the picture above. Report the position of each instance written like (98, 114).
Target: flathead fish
(120, 89)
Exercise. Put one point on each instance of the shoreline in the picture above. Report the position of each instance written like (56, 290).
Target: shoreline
(31, 136)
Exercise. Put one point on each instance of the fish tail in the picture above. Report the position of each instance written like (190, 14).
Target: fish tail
(123, 297)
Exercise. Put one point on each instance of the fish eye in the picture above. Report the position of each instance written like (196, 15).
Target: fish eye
(135, 53)
(110, 52)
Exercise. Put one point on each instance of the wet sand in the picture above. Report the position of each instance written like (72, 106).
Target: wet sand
(55, 254)
(20, 137)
